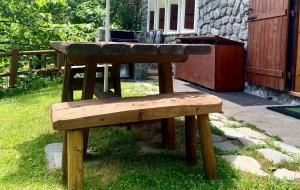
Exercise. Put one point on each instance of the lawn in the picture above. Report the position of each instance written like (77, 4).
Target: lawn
(25, 130)
(297, 110)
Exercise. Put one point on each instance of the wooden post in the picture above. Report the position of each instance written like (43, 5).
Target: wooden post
(13, 67)
(116, 79)
(60, 60)
(190, 140)
(88, 93)
(207, 149)
(166, 86)
(75, 159)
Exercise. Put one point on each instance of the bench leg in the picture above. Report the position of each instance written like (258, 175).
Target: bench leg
(207, 149)
(75, 159)
(64, 164)
(190, 140)
(85, 142)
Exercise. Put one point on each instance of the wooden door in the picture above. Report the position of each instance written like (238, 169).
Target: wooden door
(267, 43)
(297, 69)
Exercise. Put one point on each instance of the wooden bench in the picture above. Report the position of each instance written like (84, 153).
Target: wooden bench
(75, 117)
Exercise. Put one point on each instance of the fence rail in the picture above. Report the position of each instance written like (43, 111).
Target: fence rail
(15, 55)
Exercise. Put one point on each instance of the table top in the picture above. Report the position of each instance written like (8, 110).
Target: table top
(120, 52)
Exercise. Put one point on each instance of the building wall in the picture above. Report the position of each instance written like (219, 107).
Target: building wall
(227, 18)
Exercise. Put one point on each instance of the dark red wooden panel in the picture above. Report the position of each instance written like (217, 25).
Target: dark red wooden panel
(173, 17)
(267, 43)
(189, 14)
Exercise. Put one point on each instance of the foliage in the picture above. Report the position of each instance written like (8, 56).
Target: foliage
(32, 24)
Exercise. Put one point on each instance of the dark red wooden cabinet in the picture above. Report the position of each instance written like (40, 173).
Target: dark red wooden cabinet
(221, 70)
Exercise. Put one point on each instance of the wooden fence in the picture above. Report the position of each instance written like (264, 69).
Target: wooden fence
(15, 55)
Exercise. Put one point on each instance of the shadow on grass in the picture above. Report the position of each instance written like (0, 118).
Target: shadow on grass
(119, 165)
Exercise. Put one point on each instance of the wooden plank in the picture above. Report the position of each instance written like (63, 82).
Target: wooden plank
(38, 52)
(268, 15)
(75, 159)
(268, 72)
(190, 140)
(208, 154)
(92, 113)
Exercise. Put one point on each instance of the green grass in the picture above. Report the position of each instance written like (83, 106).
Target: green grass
(297, 110)
(25, 130)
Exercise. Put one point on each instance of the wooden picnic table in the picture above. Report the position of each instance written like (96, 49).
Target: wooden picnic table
(90, 54)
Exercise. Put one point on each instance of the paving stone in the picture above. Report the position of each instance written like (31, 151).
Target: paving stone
(218, 117)
(245, 164)
(225, 146)
(147, 147)
(251, 133)
(53, 155)
(288, 148)
(217, 138)
(217, 124)
(287, 174)
(231, 133)
(234, 123)
(251, 141)
(274, 156)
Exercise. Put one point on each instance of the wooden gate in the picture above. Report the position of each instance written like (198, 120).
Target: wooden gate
(267, 43)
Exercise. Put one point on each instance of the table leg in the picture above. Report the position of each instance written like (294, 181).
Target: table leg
(166, 86)
(116, 79)
(190, 140)
(88, 93)
(66, 83)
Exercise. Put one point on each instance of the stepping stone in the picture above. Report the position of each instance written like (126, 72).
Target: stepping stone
(287, 174)
(245, 164)
(217, 138)
(234, 124)
(147, 147)
(225, 146)
(274, 156)
(217, 124)
(218, 117)
(231, 133)
(288, 148)
(53, 155)
(248, 141)
(251, 133)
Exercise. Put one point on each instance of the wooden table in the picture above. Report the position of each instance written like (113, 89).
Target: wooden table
(91, 54)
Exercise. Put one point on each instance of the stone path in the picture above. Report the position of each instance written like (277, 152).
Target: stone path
(252, 109)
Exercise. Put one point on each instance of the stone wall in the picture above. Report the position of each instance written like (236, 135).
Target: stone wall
(144, 15)
(226, 18)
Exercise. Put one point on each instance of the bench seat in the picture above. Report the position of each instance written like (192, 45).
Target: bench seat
(75, 117)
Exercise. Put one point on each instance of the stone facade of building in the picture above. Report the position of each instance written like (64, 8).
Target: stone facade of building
(227, 18)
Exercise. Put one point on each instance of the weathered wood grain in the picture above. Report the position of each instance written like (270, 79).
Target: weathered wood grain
(93, 113)
(75, 160)
(208, 154)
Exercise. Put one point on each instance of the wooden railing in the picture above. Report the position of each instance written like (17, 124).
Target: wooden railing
(15, 55)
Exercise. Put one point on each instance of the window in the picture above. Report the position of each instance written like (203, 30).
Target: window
(161, 22)
(189, 14)
(172, 16)
(151, 25)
